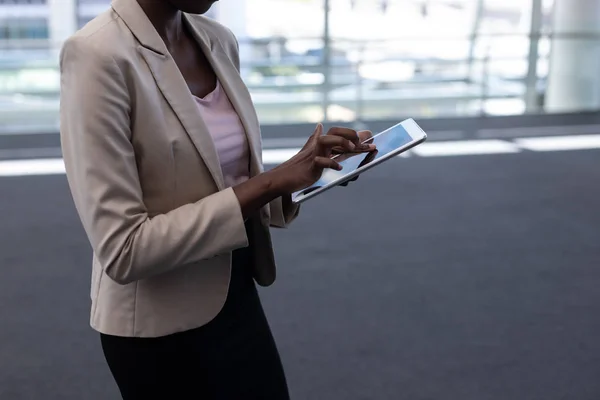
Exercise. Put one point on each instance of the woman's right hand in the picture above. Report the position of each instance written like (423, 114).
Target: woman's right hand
(306, 167)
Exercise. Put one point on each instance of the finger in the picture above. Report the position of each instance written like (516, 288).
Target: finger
(315, 135)
(318, 131)
(327, 143)
(346, 183)
(339, 150)
(357, 138)
(346, 133)
(326, 162)
(363, 137)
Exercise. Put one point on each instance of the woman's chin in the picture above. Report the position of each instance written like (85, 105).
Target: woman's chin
(193, 6)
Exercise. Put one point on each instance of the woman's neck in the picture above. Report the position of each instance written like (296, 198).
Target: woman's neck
(167, 20)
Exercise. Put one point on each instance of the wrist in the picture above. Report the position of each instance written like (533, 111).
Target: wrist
(274, 184)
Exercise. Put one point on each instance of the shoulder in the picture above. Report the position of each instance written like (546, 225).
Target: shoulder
(104, 40)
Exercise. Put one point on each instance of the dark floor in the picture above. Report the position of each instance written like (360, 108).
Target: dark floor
(505, 127)
(462, 278)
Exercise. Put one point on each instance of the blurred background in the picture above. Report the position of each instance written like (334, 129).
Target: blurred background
(348, 60)
(466, 269)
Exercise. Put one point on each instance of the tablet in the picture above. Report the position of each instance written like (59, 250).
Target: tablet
(389, 143)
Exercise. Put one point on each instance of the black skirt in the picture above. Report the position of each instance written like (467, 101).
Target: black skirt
(232, 357)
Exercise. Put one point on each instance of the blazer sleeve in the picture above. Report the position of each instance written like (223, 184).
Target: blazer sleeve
(101, 170)
(283, 210)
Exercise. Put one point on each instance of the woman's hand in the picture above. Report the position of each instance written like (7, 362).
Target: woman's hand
(362, 137)
(302, 170)
(370, 157)
(306, 167)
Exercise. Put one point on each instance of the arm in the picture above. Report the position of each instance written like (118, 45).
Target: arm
(103, 177)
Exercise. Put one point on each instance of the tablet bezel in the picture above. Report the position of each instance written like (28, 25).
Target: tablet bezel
(417, 135)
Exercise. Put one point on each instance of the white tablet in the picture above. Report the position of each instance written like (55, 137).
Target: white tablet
(389, 143)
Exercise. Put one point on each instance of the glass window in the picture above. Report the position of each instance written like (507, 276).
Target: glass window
(382, 59)
(24, 28)
(282, 57)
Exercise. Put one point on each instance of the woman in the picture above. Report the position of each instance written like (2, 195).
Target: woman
(162, 149)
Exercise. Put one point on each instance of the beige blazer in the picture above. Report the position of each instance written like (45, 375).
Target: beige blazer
(145, 176)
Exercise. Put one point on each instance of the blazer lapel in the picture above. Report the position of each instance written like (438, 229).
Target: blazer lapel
(236, 90)
(171, 83)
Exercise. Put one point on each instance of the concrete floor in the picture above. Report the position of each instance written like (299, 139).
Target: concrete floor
(458, 278)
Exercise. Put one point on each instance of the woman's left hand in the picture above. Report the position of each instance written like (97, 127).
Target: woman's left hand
(359, 138)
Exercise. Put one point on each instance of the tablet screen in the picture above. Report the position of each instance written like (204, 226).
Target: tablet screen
(386, 142)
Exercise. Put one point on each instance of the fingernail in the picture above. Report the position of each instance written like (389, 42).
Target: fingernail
(352, 146)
